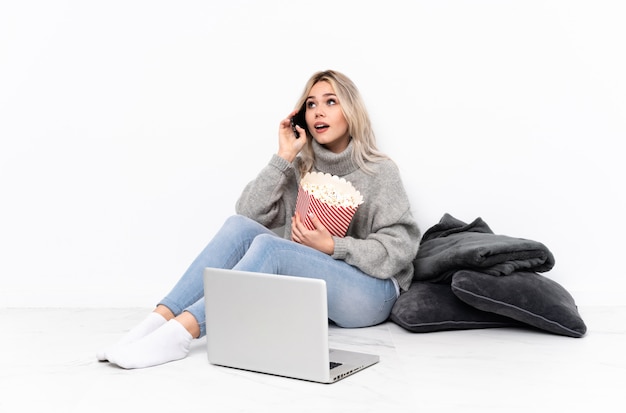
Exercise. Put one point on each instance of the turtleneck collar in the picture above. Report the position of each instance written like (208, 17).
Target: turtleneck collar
(339, 164)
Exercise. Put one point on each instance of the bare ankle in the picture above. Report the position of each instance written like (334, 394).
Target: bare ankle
(190, 323)
(164, 311)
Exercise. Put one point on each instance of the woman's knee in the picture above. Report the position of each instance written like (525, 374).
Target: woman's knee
(241, 227)
(264, 244)
(262, 256)
(238, 221)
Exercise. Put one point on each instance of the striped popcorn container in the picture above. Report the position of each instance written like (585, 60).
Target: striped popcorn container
(333, 200)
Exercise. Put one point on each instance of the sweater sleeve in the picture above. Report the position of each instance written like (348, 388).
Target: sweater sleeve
(384, 239)
(268, 197)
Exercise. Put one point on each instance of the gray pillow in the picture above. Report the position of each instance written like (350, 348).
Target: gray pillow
(428, 307)
(527, 297)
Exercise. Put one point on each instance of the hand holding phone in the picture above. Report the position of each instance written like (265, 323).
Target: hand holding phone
(293, 127)
(299, 120)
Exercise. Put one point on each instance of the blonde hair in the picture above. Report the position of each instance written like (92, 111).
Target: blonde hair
(359, 125)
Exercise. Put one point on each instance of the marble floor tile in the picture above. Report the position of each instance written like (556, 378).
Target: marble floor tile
(48, 364)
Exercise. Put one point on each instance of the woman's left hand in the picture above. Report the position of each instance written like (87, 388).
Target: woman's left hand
(319, 238)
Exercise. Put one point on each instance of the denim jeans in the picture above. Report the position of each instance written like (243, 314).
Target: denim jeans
(355, 299)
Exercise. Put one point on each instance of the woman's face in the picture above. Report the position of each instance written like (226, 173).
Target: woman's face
(325, 119)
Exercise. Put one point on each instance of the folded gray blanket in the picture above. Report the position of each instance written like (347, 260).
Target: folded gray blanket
(452, 245)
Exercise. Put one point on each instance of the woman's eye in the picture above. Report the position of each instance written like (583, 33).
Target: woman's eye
(331, 102)
(310, 105)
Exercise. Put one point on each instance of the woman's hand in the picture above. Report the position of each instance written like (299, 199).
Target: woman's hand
(319, 238)
(288, 145)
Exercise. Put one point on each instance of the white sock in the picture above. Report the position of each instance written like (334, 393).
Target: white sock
(169, 342)
(147, 326)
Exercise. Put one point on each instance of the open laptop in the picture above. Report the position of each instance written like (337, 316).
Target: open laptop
(274, 324)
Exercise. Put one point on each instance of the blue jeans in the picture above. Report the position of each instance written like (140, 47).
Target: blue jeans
(355, 299)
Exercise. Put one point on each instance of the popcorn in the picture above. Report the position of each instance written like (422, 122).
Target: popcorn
(329, 195)
(333, 200)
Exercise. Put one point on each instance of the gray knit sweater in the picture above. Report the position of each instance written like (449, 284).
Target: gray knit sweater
(383, 237)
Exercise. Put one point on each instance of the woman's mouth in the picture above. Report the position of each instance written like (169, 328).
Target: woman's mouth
(320, 127)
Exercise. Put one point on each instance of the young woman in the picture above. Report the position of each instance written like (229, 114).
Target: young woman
(364, 271)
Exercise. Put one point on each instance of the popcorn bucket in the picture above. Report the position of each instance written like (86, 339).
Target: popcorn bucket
(333, 200)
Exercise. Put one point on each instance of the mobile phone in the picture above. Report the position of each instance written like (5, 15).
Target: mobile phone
(299, 120)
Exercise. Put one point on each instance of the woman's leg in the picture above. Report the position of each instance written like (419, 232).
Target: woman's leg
(355, 299)
(224, 250)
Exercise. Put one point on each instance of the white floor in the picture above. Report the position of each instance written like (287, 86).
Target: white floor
(47, 364)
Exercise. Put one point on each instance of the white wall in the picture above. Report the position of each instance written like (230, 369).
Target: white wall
(128, 128)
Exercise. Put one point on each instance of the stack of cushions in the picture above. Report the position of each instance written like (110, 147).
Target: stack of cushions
(467, 277)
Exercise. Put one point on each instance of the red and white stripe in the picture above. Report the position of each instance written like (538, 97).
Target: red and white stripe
(335, 219)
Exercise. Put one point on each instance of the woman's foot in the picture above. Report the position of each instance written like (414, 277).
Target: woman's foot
(147, 326)
(169, 342)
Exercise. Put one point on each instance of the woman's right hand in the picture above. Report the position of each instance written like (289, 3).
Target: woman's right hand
(288, 145)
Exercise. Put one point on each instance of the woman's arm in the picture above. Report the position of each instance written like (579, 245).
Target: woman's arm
(266, 198)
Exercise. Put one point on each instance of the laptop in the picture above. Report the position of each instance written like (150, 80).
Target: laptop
(274, 324)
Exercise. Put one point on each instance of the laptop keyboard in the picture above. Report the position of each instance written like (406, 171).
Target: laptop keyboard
(334, 364)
